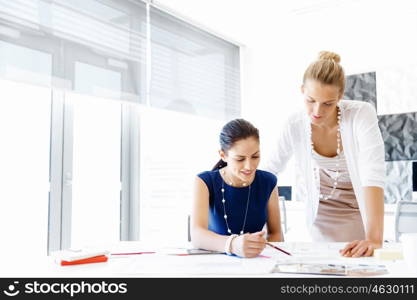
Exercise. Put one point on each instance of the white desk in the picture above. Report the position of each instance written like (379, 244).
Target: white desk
(162, 265)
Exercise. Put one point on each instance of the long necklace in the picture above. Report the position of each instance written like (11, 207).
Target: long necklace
(336, 179)
(224, 208)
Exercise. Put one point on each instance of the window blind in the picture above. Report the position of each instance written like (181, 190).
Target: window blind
(191, 70)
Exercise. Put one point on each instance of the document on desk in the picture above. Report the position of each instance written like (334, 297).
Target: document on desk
(313, 252)
(359, 270)
(208, 265)
(325, 259)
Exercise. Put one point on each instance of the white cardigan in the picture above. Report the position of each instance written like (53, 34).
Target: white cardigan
(362, 144)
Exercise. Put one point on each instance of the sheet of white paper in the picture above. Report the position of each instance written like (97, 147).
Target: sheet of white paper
(171, 265)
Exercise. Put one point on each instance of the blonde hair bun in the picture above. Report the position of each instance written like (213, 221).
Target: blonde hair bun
(327, 55)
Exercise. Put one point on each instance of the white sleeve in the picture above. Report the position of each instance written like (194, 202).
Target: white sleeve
(371, 156)
(281, 151)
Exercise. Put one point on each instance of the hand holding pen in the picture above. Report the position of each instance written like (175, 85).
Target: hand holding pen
(249, 244)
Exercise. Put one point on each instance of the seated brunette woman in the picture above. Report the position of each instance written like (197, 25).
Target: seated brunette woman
(234, 201)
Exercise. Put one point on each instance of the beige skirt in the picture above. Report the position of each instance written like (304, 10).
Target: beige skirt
(338, 218)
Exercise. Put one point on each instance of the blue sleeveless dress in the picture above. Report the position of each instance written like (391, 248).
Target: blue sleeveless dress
(236, 201)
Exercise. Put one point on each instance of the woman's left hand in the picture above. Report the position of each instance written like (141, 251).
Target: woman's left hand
(359, 248)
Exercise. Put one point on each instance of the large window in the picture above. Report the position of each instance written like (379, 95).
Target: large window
(109, 110)
(175, 148)
(24, 173)
(25, 121)
(96, 137)
(96, 170)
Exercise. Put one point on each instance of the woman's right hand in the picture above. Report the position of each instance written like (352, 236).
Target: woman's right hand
(249, 244)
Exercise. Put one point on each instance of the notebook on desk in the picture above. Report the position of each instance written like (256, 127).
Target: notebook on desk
(79, 254)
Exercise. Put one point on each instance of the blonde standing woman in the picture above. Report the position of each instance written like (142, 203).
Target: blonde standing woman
(339, 154)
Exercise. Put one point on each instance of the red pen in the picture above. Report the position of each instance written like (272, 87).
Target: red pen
(133, 253)
(279, 249)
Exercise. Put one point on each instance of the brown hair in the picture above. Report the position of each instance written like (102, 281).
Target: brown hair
(326, 69)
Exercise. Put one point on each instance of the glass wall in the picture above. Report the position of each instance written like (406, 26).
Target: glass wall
(108, 111)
